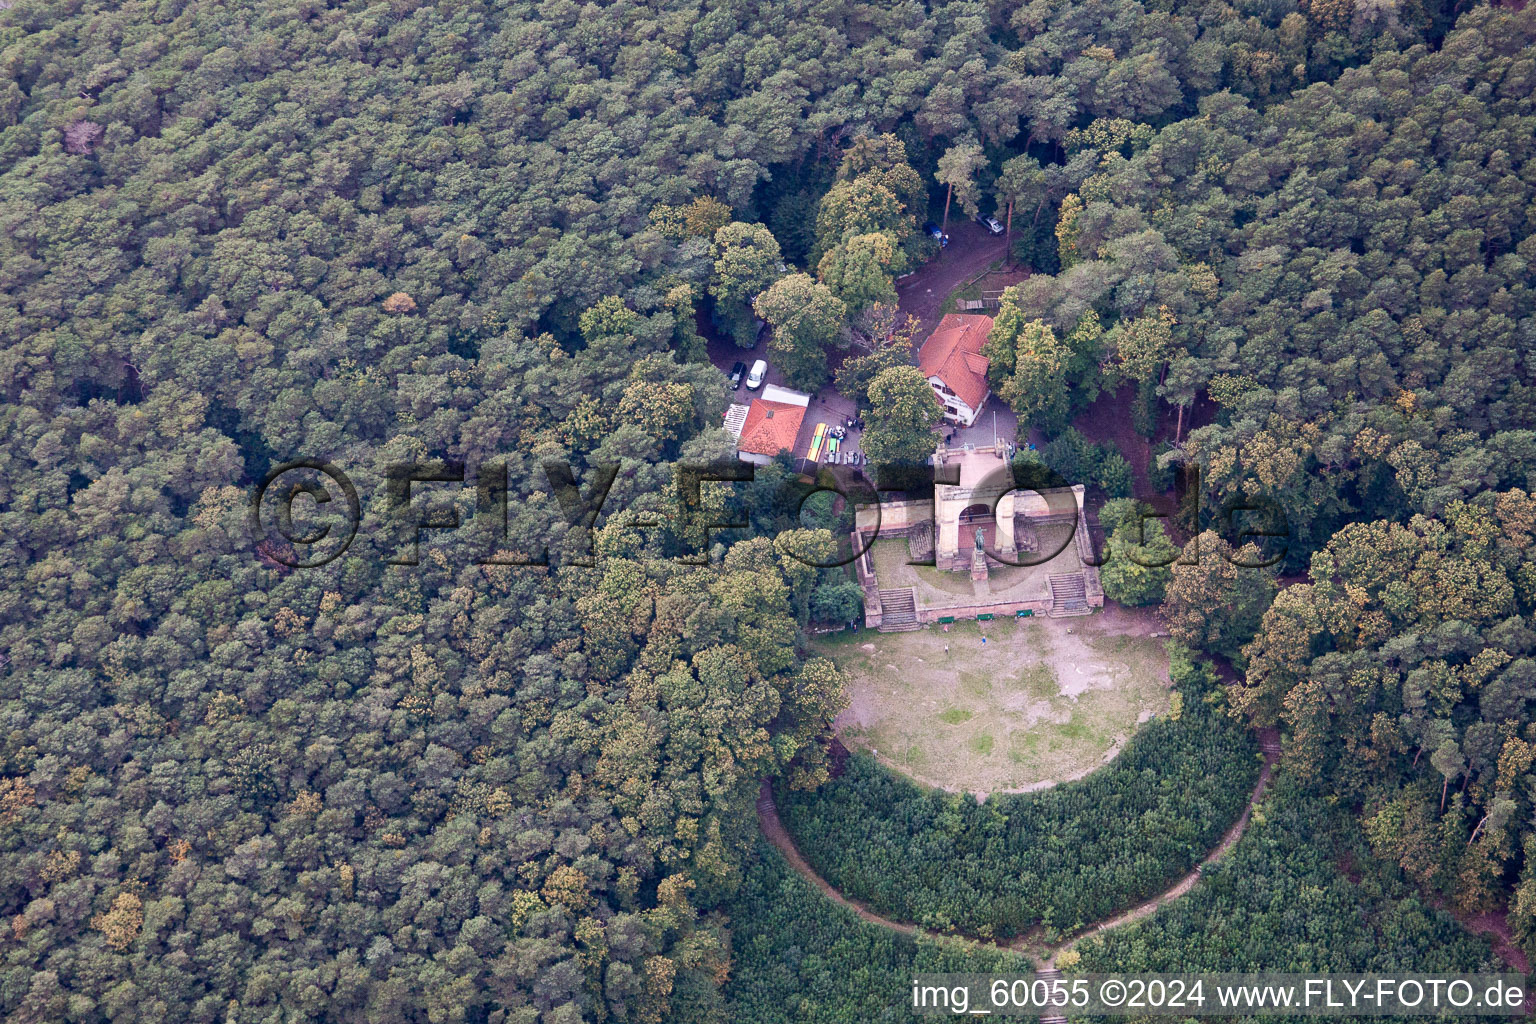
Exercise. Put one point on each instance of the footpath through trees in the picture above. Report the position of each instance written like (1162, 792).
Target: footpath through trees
(775, 832)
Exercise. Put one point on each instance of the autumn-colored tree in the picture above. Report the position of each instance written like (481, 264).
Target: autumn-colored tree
(1142, 346)
(1399, 670)
(1217, 595)
(699, 219)
(883, 160)
(1068, 231)
(861, 206)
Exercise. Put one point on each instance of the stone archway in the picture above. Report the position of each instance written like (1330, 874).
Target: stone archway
(978, 513)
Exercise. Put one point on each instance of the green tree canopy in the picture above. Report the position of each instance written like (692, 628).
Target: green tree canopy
(806, 317)
(903, 411)
(747, 261)
(1021, 181)
(1402, 673)
(1028, 367)
(860, 271)
(957, 171)
(1138, 555)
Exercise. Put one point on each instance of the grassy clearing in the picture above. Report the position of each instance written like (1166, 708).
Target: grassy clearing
(953, 300)
(890, 556)
(1034, 705)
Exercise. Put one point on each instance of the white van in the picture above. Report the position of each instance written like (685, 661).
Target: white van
(758, 372)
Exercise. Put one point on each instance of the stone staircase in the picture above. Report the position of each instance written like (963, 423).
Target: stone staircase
(1069, 595)
(1049, 975)
(898, 611)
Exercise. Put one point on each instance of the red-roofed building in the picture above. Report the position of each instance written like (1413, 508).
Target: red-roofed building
(951, 359)
(772, 424)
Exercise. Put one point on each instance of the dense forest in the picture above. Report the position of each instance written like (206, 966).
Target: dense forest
(1333, 292)
(1299, 893)
(1344, 274)
(468, 786)
(1403, 672)
(1065, 857)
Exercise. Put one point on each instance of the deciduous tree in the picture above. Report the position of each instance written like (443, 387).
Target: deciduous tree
(903, 411)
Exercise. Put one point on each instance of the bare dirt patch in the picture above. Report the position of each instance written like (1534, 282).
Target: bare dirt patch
(1110, 420)
(971, 250)
(1042, 701)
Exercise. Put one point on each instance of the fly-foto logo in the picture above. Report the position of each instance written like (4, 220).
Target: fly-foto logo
(306, 513)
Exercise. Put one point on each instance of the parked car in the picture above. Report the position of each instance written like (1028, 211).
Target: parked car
(934, 233)
(755, 378)
(992, 224)
(737, 372)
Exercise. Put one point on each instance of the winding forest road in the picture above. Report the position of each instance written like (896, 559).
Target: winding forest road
(775, 832)
(971, 251)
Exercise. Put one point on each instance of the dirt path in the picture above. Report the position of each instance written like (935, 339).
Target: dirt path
(1271, 747)
(775, 832)
(1494, 926)
(778, 835)
(971, 250)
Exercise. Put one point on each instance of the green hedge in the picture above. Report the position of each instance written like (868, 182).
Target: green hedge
(1065, 857)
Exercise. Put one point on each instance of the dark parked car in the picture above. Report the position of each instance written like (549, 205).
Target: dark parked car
(737, 372)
